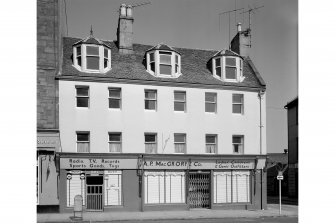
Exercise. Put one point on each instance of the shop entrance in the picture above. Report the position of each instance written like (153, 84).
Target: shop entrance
(94, 194)
(199, 189)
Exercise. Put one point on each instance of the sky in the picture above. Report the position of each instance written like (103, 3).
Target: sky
(197, 24)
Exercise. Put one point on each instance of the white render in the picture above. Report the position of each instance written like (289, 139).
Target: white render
(133, 120)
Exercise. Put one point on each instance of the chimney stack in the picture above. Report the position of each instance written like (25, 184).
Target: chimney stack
(240, 44)
(125, 29)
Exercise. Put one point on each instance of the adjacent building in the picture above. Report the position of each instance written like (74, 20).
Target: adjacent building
(293, 140)
(157, 127)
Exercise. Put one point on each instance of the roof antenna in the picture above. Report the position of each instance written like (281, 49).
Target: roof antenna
(222, 13)
(91, 32)
(248, 31)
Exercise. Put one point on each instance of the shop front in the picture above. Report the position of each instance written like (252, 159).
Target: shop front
(140, 182)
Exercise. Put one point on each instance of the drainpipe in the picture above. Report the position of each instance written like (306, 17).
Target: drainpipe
(260, 96)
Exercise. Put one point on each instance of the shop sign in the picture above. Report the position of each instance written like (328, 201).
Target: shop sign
(198, 164)
(97, 163)
(46, 141)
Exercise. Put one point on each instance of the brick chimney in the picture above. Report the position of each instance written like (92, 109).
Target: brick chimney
(125, 29)
(240, 44)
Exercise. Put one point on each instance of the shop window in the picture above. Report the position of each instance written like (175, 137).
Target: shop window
(180, 101)
(179, 143)
(83, 142)
(113, 188)
(150, 101)
(238, 107)
(115, 145)
(75, 186)
(82, 96)
(231, 187)
(211, 143)
(210, 102)
(150, 140)
(114, 99)
(238, 144)
(164, 187)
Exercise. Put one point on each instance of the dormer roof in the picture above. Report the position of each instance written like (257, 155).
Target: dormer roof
(226, 52)
(91, 40)
(163, 46)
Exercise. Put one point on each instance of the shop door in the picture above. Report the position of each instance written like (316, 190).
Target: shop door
(199, 190)
(94, 194)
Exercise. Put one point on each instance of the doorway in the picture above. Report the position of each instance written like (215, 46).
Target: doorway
(199, 189)
(94, 195)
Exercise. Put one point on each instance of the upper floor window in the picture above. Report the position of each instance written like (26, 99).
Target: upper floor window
(210, 102)
(238, 142)
(228, 68)
(150, 101)
(238, 104)
(115, 142)
(83, 142)
(163, 63)
(82, 96)
(92, 58)
(180, 101)
(180, 143)
(114, 99)
(211, 143)
(150, 141)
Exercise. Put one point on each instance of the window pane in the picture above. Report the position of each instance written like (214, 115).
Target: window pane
(179, 106)
(180, 148)
(79, 61)
(115, 147)
(114, 103)
(150, 94)
(165, 69)
(210, 107)
(115, 93)
(218, 62)
(180, 96)
(230, 72)
(82, 102)
(105, 52)
(152, 66)
(150, 138)
(78, 51)
(165, 59)
(152, 57)
(116, 137)
(236, 148)
(176, 68)
(82, 137)
(210, 148)
(210, 139)
(92, 50)
(179, 137)
(231, 61)
(237, 98)
(237, 139)
(105, 63)
(83, 147)
(92, 63)
(237, 109)
(150, 105)
(210, 97)
(82, 91)
(218, 71)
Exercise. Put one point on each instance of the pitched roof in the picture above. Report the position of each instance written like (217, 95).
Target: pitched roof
(163, 46)
(225, 52)
(91, 40)
(195, 67)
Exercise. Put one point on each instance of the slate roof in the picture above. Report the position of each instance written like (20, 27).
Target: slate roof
(195, 67)
(163, 47)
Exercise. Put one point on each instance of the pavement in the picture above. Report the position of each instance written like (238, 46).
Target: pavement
(284, 200)
(272, 211)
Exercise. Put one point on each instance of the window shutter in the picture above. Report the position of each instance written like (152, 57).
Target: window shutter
(75, 186)
(222, 187)
(113, 188)
(175, 188)
(241, 186)
(154, 187)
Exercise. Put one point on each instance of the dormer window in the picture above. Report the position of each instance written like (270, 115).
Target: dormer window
(92, 56)
(163, 63)
(228, 67)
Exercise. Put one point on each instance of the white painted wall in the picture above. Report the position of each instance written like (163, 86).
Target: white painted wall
(133, 120)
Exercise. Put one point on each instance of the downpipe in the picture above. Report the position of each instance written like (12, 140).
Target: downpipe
(260, 96)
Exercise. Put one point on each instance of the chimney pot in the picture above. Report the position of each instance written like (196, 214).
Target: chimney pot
(239, 27)
(129, 11)
(123, 10)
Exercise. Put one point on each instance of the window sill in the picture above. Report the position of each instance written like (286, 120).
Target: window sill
(83, 108)
(150, 110)
(210, 113)
(181, 112)
(114, 109)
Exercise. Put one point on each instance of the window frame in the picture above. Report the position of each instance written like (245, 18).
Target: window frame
(147, 143)
(231, 66)
(83, 96)
(149, 99)
(179, 101)
(115, 98)
(110, 142)
(89, 141)
(180, 143)
(238, 103)
(241, 144)
(208, 143)
(210, 102)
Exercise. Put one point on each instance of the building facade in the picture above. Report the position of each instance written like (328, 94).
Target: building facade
(293, 139)
(158, 127)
